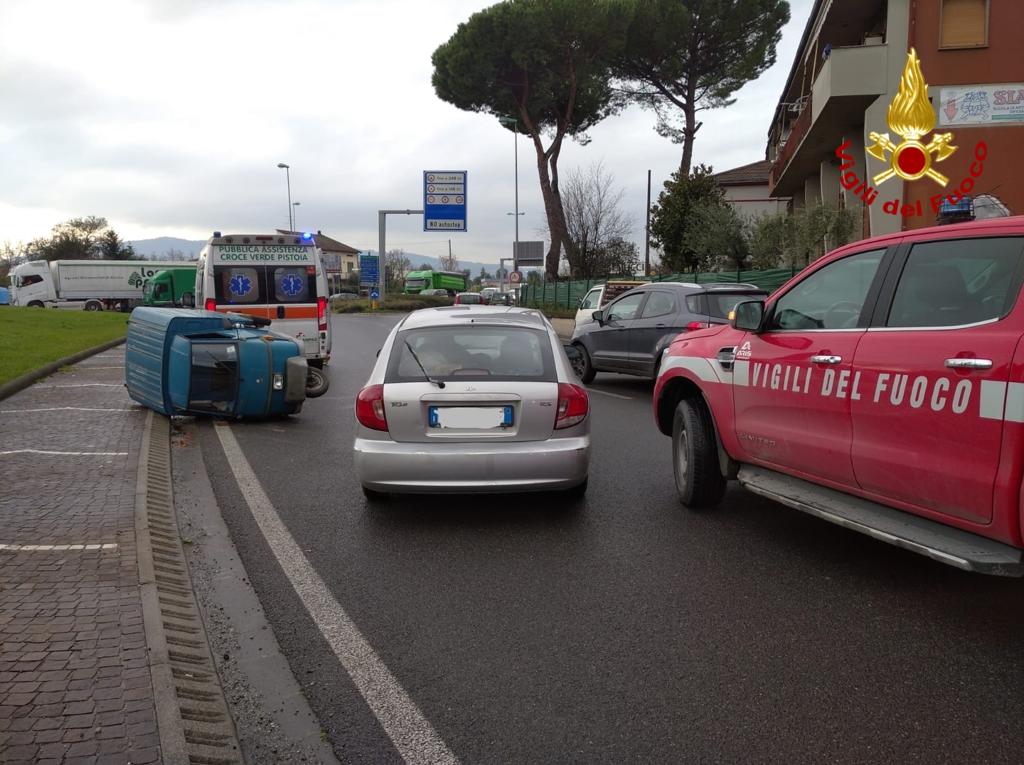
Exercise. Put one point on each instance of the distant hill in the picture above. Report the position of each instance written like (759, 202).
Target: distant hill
(159, 248)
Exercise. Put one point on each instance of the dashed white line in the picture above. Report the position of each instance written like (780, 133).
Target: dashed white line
(61, 548)
(82, 385)
(68, 454)
(606, 393)
(66, 409)
(411, 733)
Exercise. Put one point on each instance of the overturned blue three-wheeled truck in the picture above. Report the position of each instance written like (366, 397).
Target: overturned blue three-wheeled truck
(187, 362)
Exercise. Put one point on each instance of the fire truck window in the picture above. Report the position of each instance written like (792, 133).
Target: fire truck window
(954, 282)
(830, 298)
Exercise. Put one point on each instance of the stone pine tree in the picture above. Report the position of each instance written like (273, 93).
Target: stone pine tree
(685, 56)
(542, 67)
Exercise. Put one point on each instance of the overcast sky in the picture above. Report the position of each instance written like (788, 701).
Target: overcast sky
(169, 117)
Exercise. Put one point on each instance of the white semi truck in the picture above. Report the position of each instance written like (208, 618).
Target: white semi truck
(92, 285)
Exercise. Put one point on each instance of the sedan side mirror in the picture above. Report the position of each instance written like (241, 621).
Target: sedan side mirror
(748, 315)
(598, 316)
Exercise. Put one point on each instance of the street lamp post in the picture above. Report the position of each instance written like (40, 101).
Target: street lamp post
(288, 180)
(295, 215)
(515, 138)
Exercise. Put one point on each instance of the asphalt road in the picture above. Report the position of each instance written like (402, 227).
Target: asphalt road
(629, 629)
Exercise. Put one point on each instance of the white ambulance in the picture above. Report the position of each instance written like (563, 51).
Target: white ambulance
(279, 277)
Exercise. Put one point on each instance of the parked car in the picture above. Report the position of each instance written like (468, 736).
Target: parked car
(632, 333)
(344, 296)
(472, 399)
(599, 296)
(500, 298)
(434, 292)
(877, 389)
(487, 292)
(468, 298)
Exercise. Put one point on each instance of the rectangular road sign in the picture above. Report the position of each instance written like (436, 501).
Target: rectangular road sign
(530, 254)
(444, 200)
(368, 270)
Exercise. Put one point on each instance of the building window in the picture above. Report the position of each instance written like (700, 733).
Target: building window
(963, 24)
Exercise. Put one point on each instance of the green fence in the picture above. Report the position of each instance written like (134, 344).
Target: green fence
(565, 293)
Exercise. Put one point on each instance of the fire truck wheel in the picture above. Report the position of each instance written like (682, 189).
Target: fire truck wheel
(316, 382)
(699, 481)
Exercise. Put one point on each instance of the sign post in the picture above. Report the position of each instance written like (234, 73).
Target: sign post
(444, 200)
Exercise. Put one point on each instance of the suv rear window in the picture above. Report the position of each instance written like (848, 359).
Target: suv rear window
(480, 353)
(718, 304)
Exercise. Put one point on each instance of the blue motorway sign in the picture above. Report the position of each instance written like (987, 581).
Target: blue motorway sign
(368, 270)
(444, 200)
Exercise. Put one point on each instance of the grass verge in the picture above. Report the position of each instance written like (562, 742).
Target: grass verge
(33, 337)
(400, 303)
(405, 303)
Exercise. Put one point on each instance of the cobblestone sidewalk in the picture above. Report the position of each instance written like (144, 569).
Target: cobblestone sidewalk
(75, 684)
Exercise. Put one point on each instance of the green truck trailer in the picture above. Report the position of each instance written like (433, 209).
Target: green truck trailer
(172, 287)
(417, 281)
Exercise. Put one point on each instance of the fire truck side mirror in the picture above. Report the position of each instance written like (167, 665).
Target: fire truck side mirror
(748, 315)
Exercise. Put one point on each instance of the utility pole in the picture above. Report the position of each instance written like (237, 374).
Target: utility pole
(647, 230)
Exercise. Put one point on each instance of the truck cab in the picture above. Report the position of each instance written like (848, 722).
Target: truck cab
(32, 285)
(171, 288)
(877, 389)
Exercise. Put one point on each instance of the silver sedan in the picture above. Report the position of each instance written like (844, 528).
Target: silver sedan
(472, 399)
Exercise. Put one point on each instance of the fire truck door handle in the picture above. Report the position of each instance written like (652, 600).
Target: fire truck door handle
(969, 363)
(827, 359)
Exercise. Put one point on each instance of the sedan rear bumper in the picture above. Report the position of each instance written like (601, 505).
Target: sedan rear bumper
(416, 468)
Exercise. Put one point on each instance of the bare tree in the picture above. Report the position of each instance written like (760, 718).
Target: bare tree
(11, 254)
(594, 220)
(396, 266)
(449, 262)
(175, 254)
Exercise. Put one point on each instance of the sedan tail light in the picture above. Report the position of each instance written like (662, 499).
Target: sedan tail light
(211, 304)
(370, 408)
(697, 325)
(321, 312)
(573, 405)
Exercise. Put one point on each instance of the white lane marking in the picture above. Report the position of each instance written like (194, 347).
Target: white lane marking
(63, 409)
(83, 385)
(606, 393)
(70, 454)
(47, 548)
(410, 732)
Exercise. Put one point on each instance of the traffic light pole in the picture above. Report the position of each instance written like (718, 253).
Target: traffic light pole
(382, 224)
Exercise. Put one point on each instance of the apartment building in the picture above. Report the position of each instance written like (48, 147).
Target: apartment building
(848, 71)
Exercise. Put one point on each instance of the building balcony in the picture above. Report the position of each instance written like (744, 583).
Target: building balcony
(849, 81)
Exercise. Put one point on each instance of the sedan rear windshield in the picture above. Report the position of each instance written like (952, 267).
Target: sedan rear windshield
(472, 353)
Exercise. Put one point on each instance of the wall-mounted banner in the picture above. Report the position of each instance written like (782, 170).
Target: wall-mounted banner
(981, 104)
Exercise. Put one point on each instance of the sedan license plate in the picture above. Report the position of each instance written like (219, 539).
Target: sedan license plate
(470, 417)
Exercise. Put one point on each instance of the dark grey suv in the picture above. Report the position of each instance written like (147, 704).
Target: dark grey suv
(630, 334)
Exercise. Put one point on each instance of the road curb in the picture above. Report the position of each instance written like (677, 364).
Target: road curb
(23, 381)
(193, 720)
